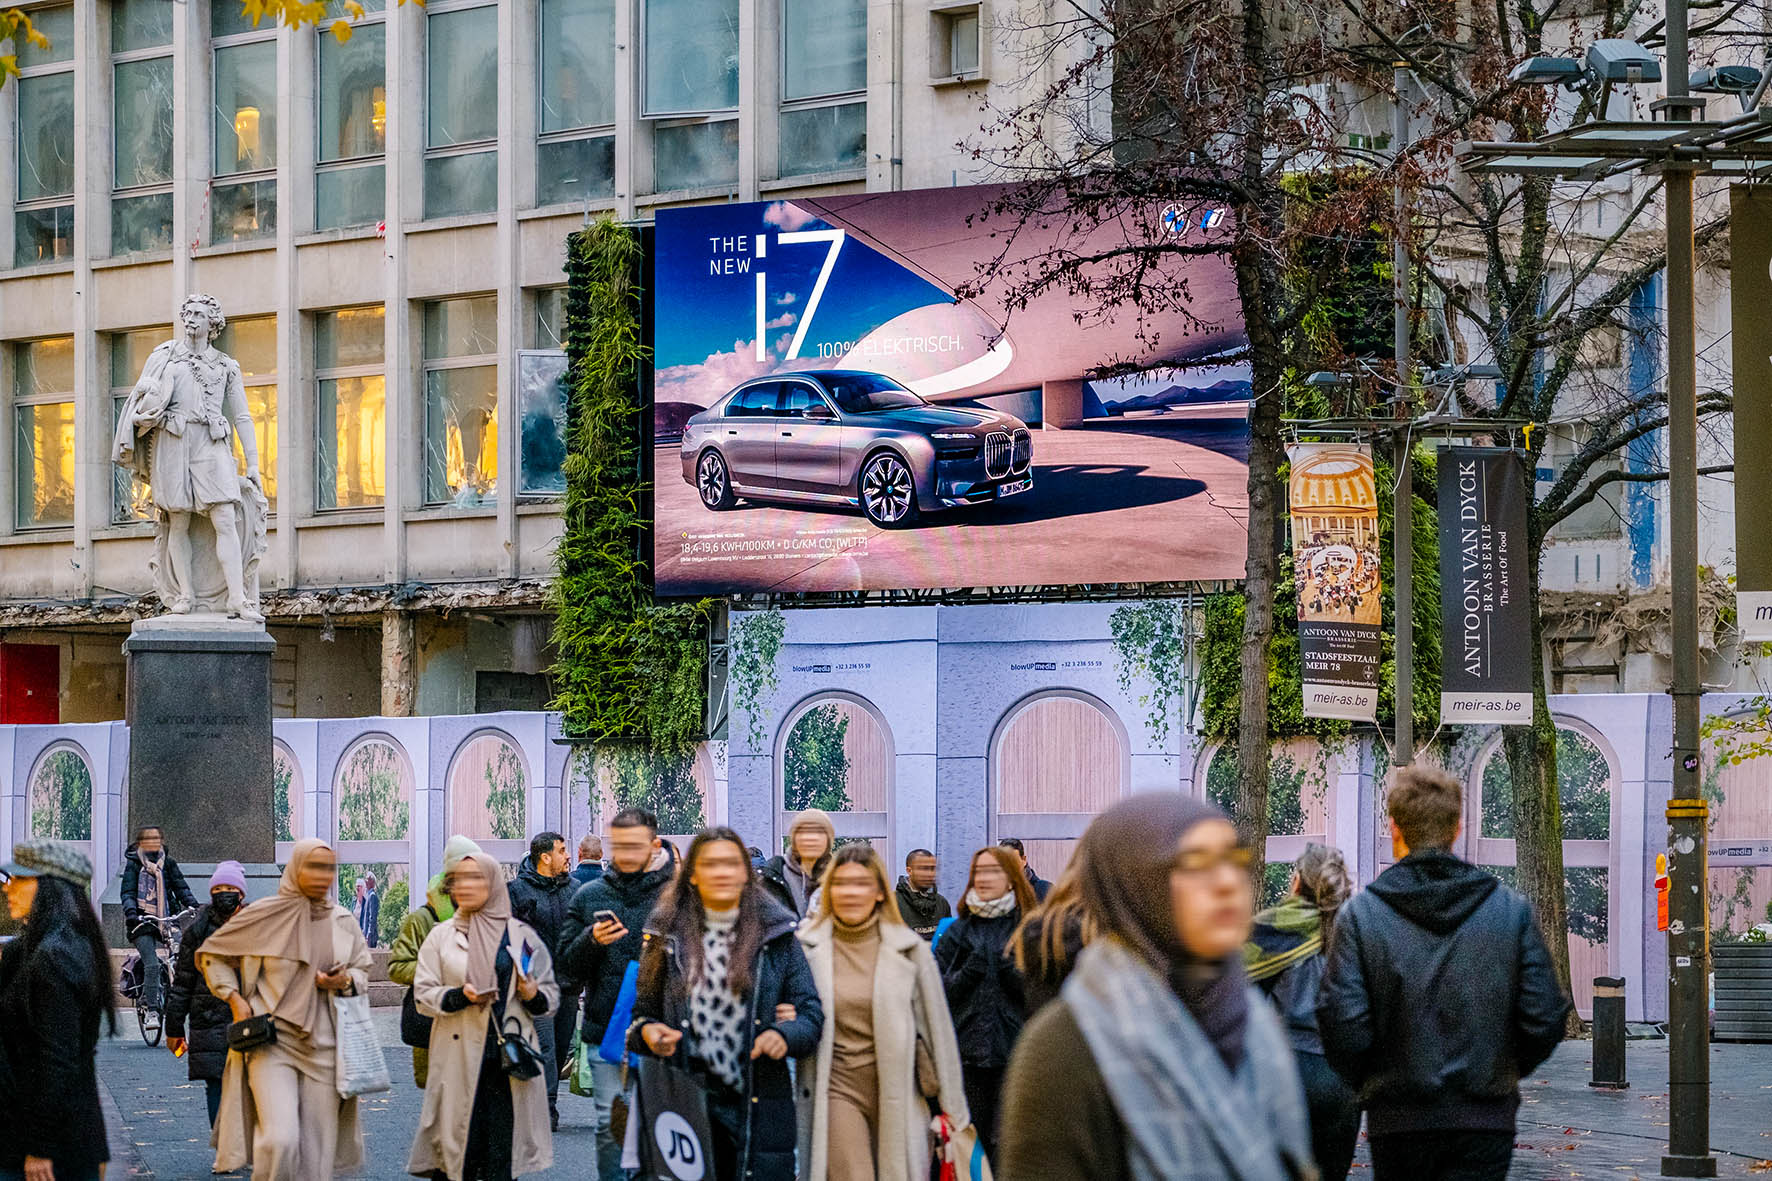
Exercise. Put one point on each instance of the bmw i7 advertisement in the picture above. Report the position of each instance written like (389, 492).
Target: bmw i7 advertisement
(842, 402)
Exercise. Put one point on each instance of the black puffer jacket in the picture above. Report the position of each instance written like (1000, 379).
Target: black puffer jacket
(598, 969)
(189, 1000)
(542, 902)
(48, 1058)
(785, 881)
(985, 992)
(1438, 997)
(781, 977)
(922, 910)
(178, 891)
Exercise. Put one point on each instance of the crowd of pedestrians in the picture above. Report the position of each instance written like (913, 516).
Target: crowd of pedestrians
(800, 1018)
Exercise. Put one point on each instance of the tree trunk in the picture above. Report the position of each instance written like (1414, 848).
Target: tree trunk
(1261, 569)
(1531, 754)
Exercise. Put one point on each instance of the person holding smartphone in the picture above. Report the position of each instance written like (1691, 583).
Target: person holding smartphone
(484, 977)
(600, 937)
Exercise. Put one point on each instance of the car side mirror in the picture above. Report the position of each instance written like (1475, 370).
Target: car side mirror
(819, 412)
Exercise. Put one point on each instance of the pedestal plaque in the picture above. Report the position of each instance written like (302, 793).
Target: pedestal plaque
(200, 760)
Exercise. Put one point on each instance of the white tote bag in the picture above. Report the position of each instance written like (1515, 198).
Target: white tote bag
(361, 1067)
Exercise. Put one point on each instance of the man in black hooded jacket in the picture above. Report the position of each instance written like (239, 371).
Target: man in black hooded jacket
(540, 895)
(1438, 998)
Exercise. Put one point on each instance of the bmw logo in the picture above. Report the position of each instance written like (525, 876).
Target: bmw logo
(1175, 221)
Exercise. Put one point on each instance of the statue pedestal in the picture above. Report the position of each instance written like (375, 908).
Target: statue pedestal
(199, 712)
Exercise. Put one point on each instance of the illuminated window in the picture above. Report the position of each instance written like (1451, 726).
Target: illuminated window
(351, 139)
(43, 217)
(243, 199)
(43, 433)
(461, 401)
(824, 75)
(131, 499)
(252, 341)
(575, 154)
(350, 414)
(461, 112)
(142, 117)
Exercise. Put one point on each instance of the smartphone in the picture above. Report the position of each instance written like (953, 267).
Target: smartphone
(605, 916)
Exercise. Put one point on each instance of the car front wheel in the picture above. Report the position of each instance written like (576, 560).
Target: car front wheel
(714, 483)
(888, 494)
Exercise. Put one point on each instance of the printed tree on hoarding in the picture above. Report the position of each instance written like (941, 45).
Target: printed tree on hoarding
(815, 770)
(282, 780)
(662, 784)
(61, 798)
(372, 804)
(505, 793)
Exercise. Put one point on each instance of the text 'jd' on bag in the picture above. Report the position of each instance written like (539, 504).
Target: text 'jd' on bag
(675, 1136)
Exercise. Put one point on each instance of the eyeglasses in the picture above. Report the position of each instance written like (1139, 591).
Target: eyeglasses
(1202, 861)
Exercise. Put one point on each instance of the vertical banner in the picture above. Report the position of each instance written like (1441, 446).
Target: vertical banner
(1750, 282)
(1333, 499)
(1486, 628)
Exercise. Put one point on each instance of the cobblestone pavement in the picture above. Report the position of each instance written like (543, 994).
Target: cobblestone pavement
(1567, 1129)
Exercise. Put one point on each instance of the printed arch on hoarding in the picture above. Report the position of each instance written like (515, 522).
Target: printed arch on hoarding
(286, 793)
(60, 794)
(489, 788)
(372, 790)
(1057, 757)
(835, 751)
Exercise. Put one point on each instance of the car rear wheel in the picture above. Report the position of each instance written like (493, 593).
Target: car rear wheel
(714, 483)
(888, 494)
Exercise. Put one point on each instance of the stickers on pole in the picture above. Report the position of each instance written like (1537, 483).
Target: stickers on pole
(1750, 279)
(1333, 499)
(1486, 628)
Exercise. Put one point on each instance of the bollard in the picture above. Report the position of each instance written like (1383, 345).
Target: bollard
(1609, 1034)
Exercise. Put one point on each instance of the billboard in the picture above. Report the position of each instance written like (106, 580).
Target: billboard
(841, 402)
(1333, 499)
(1485, 626)
(1750, 282)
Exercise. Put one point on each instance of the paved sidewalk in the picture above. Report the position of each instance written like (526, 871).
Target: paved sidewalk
(1567, 1129)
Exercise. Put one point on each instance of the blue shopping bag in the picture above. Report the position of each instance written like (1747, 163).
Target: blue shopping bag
(615, 1038)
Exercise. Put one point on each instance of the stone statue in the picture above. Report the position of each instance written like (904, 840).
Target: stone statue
(177, 432)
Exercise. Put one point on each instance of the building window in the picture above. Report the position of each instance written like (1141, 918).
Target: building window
(461, 112)
(956, 42)
(695, 155)
(824, 75)
(141, 128)
(350, 187)
(252, 342)
(691, 64)
(461, 401)
(43, 218)
(350, 414)
(243, 197)
(575, 151)
(131, 498)
(43, 433)
(550, 318)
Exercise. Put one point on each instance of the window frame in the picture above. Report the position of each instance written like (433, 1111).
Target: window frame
(114, 403)
(265, 33)
(152, 189)
(377, 17)
(40, 204)
(478, 147)
(342, 373)
(251, 381)
(690, 114)
(14, 402)
(429, 365)
(587, 131)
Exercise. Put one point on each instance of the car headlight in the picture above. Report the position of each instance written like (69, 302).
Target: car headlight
(961, 436)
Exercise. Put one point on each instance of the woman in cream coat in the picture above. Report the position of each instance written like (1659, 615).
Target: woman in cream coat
(863, 1111)
(478, 1123)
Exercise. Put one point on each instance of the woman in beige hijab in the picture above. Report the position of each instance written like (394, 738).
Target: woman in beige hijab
(286, 956)
(480, 975)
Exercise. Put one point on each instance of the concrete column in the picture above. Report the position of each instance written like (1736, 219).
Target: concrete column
(513, 18)
(191, 157)
(885, 93)
(633, 139)
(92, 238)
(1061, 404)
(753, 48)
(295, 142)
(399, 664)
(405, 184)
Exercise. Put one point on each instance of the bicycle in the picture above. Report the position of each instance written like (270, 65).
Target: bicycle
(172, 932)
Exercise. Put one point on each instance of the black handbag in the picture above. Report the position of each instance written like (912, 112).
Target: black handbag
(415, 1027)
(519, 1059)
(252, 1033)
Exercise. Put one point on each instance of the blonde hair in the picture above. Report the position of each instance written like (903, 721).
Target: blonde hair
(863, 855)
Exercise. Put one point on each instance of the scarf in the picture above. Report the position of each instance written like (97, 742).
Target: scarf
(486, 926)
(716, 1013)
(150, 889)
(996, 908)
(1265, 957)
(1127, 855)
(288, 926)
(1187, 1114)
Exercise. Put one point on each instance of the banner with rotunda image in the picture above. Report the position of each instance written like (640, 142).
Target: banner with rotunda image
(1333, 500)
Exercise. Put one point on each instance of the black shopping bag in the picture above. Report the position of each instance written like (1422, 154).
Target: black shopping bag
(675, 1138)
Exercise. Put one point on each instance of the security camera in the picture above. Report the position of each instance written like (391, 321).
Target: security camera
(1617, 60)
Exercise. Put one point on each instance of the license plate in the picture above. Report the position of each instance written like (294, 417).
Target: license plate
(1012, 488)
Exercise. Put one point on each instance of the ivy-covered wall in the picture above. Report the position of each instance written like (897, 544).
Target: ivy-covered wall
(630, 670)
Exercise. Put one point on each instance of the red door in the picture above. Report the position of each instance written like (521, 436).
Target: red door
(30, 684)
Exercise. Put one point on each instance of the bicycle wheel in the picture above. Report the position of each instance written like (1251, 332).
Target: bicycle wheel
(150, 1022)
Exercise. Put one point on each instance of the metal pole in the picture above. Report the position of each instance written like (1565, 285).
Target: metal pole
(1402, 493)
(1688, 936)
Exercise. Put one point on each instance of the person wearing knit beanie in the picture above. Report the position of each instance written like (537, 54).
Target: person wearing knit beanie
(457, 848)
(793, 879)
(228, 873)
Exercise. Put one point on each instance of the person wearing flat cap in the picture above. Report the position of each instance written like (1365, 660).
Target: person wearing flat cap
(56, 990)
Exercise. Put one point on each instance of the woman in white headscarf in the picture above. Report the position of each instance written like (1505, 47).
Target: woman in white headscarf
(286, 956)
(482, 976)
